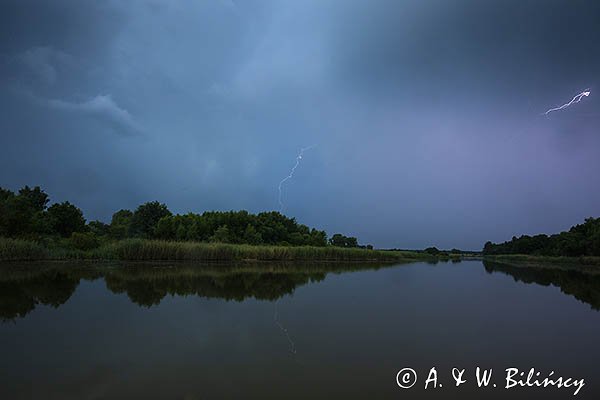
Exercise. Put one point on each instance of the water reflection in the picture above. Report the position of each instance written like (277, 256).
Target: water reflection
(119, 334)
(584, 285)
(22, 288)
(18, 297)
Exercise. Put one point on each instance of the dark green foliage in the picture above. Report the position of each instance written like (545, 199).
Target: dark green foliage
(580, 240)
(120, 224)
(99, 228)
(84, 240)
(432, 250)
(23, 214)
(5, 198)
(65, 218)
(5, 194)
(63, 226)
(146, 217)
(251, 236)
(340, 240)
(318, 238)
(35, 198)
(221, 235)
(238, 227)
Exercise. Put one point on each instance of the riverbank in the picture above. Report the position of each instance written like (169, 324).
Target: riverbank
(156, 250)
(530, 260)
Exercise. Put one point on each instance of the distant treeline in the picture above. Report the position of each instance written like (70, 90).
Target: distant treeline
(26, 215)
(434, 251)
(580, 240)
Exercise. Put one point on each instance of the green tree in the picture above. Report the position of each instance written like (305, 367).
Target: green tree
(181, 232)
(221, 235)
(165, 228)
(194, 230)
(65, 219)
(340, 240)
(337, 240)
(432, 250)
(251, 235)
(6, 211)
(84, 240)
(99, 228)
(580, 240)
(318, 238)
(36, 198)
(120, 224)
(351, 242)
(23, 214)
(146, 217)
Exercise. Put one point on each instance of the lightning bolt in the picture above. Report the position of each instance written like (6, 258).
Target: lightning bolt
(284, 330)
(291, 174)
(576, 99)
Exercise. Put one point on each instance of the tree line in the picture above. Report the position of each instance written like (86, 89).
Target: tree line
(580, 240)
(26, 215)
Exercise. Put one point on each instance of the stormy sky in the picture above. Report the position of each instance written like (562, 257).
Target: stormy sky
(426, 114)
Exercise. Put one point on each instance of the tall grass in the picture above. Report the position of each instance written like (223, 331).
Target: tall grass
(156, 250)
(17, 250)
(153, 250)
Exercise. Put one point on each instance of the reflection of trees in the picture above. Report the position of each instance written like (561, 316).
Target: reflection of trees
(19, 297)
(14, 301)
(21, 289)
(150, 290)
(585, 287)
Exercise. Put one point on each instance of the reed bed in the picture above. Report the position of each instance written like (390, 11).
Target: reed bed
(157, 250)
(21, 250)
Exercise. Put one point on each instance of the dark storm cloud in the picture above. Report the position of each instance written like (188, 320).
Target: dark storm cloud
(41, 61)
(467, 40)
(75, 26)
(103, 107)
(426, 114)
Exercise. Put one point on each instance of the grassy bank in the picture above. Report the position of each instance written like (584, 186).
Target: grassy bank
(156, 250)
(17, 250)
(526, 259)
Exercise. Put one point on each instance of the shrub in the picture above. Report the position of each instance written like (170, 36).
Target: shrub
(84, 241)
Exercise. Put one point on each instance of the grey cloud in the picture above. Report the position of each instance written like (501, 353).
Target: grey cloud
(102, 107)
(42, 61)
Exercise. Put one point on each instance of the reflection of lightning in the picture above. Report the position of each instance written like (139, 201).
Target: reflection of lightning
(282, 328)
(298, 158)
(576, 99)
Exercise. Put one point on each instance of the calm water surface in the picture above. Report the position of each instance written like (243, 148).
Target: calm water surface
(191, 332)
